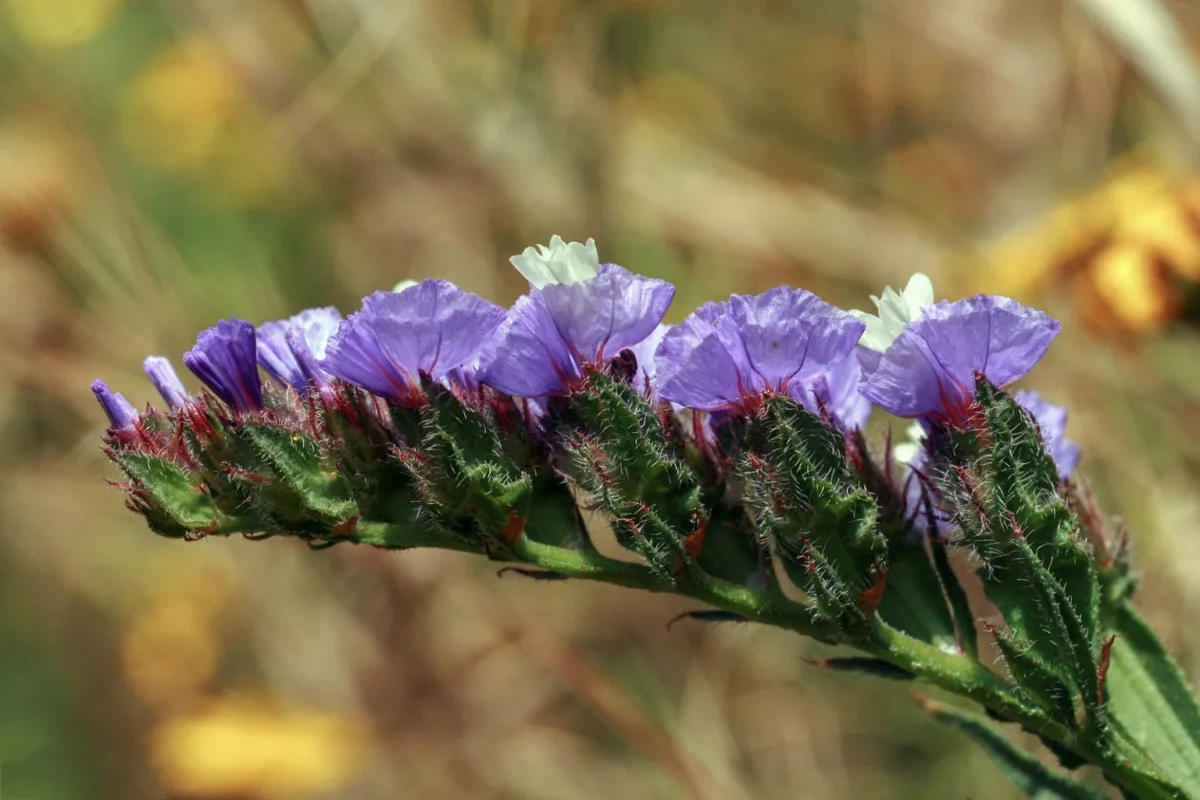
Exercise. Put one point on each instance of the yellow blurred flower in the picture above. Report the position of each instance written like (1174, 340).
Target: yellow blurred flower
(169, 652)
(244, 748)
(188, 113)
(52, 24)
(175, 110)
(170, 648)
(1125, 248)
(1132, 289)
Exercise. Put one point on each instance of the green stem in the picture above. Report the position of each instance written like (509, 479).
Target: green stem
(957, 673)
(962, 675)
(407, 537)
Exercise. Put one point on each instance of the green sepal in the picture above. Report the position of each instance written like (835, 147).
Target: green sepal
(463, 471)
(1026, 772)
(554, 517)
(618, 451)
(173, 502)
(1037, 567)
(1043, 682)
(732, 552)
(213, 455)
(1026, 484)
(818, 521)
(301, 471)
(956, 597)
(922, 596)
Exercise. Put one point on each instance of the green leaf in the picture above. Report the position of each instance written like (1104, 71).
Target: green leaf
(1026, 772)
(1151, 703)
(913, 600)
(554, 517)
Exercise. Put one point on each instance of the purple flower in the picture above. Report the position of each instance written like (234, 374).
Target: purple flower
(780, 341)
(288, 349)
(644, 351)
(166, 381)
(433, 327)
(837, 393)
(553, 333)
(121, 414)
(930, 368)
(224, 359)
(1052, 422)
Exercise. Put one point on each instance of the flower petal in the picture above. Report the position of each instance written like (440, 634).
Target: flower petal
(930, 368)
(644, 351)
(119, 411)
(918, 293)
(994, 335)
(674, 356)
(529, 358)
(433, 327)
(705, 376)
(276, 355)
(224, 358)
(838, 391)
(166, 381)
(600, 317)
(907, 381)
(792, 335)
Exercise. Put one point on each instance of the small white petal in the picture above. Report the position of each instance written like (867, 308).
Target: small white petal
(561, 262)
(918, 293)
(904, 452)
(875, 336)
(895, 311)
(402, 285)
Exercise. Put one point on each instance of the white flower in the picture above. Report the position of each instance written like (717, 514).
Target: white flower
(905, 452)
(896, 311)
(402, 285)
(561, 262)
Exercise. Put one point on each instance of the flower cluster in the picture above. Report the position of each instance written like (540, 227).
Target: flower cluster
(915, 358)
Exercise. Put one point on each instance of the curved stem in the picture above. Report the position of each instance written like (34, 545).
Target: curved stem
(957, 673)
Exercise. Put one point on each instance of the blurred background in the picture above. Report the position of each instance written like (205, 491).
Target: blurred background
(166, 163)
